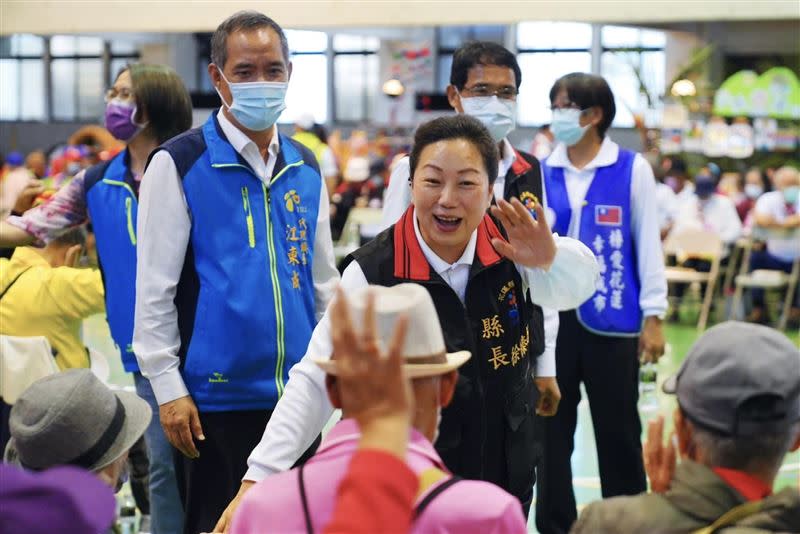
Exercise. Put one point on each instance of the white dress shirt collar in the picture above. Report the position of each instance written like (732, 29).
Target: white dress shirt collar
(607, 155)
(508, 156)
(438, 264)
(240, 142)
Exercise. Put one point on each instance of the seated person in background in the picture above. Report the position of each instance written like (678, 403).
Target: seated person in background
(304, 498)
(754, 184)
(777, 214)
(361, 185)
(42, 293)
(676, 176)
(737, 418)
(72, 418)
(36, 162)
(709, 210)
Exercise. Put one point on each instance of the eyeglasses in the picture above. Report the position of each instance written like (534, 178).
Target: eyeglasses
(568, 105)
(505, 92)
(122, 93)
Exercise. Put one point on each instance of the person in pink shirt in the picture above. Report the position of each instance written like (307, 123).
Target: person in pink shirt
(303, 500)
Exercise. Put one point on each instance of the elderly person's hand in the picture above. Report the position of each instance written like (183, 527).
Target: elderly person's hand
(373, 387)
(530, 241)
(659, 460)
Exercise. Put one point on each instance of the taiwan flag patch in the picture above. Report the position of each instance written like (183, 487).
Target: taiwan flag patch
(608, 215)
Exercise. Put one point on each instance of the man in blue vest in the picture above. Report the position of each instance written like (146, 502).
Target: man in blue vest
(603, 195)
(235, 267)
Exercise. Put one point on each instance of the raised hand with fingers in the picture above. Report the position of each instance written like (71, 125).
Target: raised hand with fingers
(530, 241)
(372, 385)
(659, 460)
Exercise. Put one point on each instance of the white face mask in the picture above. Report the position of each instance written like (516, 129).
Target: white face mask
(566, 126)
(499, 115)
(753, 191)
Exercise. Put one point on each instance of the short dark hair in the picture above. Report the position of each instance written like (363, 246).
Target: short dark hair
(679, 168)
(456, 127)
(481, 53)
(161, 93)
(243, 20)
(587, 91)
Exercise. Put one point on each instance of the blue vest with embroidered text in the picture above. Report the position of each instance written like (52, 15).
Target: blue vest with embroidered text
(246, 298)
(604, 225)
(112, 203)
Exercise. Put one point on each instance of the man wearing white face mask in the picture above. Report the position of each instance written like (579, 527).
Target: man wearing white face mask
(235, 267)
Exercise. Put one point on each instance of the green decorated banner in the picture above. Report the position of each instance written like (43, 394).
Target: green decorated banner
(776, 94)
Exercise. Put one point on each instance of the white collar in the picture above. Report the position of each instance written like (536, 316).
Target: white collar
(508, 155)
(607, 155)
(240, 141)
(438, 264)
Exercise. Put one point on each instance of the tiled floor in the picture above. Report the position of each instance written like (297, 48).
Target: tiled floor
(584, 461)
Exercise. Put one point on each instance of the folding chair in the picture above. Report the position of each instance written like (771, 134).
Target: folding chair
(767, 279)
(701, 244)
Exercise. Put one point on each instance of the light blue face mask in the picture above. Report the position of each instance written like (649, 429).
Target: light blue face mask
(497, 114)
(256, 105)
(566, 126)
(791, 194)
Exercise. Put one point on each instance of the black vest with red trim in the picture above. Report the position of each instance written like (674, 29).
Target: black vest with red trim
(524, 181)
(487, 432)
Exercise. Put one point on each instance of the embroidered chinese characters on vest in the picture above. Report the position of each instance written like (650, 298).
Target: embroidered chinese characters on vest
(493, 332)
(604, 225)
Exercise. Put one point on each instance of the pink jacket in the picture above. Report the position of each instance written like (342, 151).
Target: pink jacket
(274, 504)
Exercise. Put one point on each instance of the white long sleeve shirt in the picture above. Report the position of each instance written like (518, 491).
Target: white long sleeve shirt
(644, 217)
(717, 214)
(304, 407)
(161, 252)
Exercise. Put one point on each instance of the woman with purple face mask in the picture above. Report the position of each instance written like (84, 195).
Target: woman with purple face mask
(146, 106)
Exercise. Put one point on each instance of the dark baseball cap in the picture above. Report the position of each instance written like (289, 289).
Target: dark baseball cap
(739, 379)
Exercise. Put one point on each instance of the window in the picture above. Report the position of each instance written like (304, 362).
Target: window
(308, 91)
(547, 51)
(308, 88)
(79, 71)
(633, 62)
(22, 78)
(356, 77)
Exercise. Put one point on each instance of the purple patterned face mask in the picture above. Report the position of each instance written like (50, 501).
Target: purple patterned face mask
(119, 120)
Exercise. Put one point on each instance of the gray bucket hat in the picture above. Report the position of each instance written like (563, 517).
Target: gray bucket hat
(739, 379)
(71, 418)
